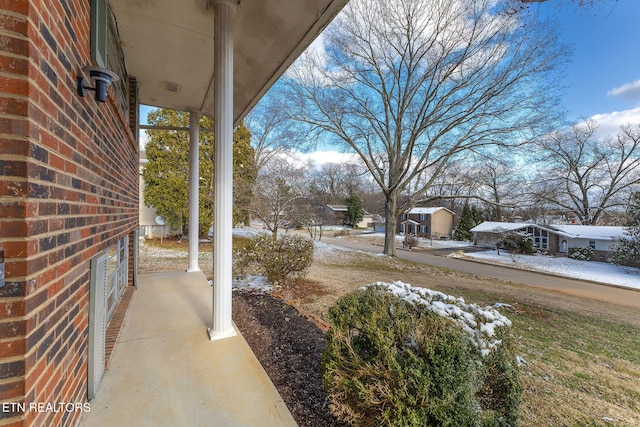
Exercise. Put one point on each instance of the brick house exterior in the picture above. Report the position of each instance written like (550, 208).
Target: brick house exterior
(433, 223)
(69, 186)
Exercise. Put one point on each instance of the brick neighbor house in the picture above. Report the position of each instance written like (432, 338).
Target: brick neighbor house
(69, 166)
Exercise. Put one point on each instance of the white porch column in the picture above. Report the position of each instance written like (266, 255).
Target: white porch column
(224, 11)
(194, 181)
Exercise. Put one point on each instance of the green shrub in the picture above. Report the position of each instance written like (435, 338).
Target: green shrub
(286, 259)
(393, 361)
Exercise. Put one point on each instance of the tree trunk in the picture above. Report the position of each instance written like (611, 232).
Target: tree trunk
(391, 217)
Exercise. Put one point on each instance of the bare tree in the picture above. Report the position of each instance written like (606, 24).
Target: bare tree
(539, 208)
(451, 188)
(272, 130)
(332, 183)
(314, 218)
(410, 85)
(500, 183)
(586, 175)
(279, 186)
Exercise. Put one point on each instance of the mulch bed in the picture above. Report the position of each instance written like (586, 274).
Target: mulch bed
(289, 347)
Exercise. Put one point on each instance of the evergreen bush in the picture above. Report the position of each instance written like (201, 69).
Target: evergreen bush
(393, 360)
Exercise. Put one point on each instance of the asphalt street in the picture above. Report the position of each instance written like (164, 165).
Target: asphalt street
(601, 292)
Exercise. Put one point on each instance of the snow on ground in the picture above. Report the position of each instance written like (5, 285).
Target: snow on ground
(328, 252)
(601, 272)
(253, 283)
(422, 242)
(247, 232)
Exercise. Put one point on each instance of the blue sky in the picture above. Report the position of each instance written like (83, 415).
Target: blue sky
(604, 74)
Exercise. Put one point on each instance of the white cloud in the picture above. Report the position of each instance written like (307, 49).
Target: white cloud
(143, 139)
(316, 158)
(609, 123)
(628, 91)
(321, 157)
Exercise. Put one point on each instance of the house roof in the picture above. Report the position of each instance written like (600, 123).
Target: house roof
(343, 208)
(495, 227)
(410, 221)
(338, 208)
(571, 231)
(429, 211)
(597, 232)
(169, 44)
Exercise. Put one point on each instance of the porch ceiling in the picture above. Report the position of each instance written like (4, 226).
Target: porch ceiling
(168, 42)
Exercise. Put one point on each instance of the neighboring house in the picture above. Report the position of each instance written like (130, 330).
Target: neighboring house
(378, 224)
(367, 221)
(433, 223)
(552, 239)
(337, 215)
(150, 222)
(69, 216)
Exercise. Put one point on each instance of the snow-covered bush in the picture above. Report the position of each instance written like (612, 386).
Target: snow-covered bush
(399, 355)
(583, 253)
(283, 260)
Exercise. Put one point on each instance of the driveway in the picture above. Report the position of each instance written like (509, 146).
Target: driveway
(601, 292)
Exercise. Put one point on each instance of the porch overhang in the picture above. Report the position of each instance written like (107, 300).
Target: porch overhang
(168, 46)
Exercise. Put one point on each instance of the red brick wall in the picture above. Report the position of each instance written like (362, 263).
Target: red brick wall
(69, 188)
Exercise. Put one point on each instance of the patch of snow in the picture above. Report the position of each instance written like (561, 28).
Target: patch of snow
(423, 242)
(520, 361)
(480, 323)
(153, 251)
(251, 283)
(587, 270)
(502, 305)
(328, 252)
(246, 232)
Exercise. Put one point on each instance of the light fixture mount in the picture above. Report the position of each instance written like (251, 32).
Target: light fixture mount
(101, 79)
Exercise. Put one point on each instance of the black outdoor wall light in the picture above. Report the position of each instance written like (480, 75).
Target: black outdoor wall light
(101, 78)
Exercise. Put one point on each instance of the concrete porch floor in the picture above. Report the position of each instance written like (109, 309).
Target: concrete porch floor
(165, 371)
